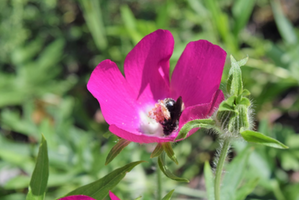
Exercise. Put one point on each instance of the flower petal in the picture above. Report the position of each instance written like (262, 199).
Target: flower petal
(111, 89)
(77, 197)
(138, 137)
(113, 196)
(146, 67)
(201, 111)
(198, 72)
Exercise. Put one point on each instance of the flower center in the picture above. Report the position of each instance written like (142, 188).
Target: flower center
(167, 112)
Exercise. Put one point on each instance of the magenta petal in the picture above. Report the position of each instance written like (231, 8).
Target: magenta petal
(198, 72)
(147, 66)
(77, 197)
(201, 111)
(140, 137)
(111, 89)
(113, 196)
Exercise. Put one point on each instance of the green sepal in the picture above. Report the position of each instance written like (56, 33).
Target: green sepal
(242, 62)
(100, 188)
(234, 82)
(169, 151)
(157, 151)
(245, 93)
(198, 123)
(228, 105)
(118, 147)
(166, 171)
(259, 138)
(168, 195)
(138, 198)
(39, 180)
(226, 117)
(245, 102)
(241, 121)
(231, 101)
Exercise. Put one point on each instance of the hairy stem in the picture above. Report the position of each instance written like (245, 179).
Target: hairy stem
(223, 153)
(159, 185)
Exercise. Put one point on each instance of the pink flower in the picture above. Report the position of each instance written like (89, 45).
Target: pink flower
(77, 197)
(83, 197)
(133, 105)
(113, 196)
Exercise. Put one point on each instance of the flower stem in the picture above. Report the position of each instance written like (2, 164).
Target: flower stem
(223, 153)
(159, 185)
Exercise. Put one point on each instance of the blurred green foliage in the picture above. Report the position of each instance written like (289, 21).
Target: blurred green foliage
(49, 48)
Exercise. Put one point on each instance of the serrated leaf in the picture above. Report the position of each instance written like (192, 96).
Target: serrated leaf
(198, 123)
(100, 188)
(168, 196)
(166, 171)
(259, 138)
(157, 151)
(235, 174)
(120, 145)
(169, 151)
(209, 181)
(39, 179)
(246, 189)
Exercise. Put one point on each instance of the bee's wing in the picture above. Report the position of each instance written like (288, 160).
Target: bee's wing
(177, 110)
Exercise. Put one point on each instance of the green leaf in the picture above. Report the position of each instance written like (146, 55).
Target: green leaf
(241, 11)
(169, 151)
(256, 137)
(209, 181)
(130, 23)
(120, 145)
(39, 179)
(234, 81)
(93, 16)
(198, 123)
(165, 170)
(107, 134)
(157, 151)
(100, 188)
(220, 19)
(235, 174)
(168, 196)
(246, 189)
(284, 26)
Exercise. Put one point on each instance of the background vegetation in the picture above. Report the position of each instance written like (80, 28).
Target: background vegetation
(49, 48)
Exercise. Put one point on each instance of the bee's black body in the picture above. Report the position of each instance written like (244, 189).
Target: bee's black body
(175, 110)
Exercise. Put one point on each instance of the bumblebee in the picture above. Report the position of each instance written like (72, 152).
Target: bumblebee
(175, 109)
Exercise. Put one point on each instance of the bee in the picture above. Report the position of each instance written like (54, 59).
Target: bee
(175, 109)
